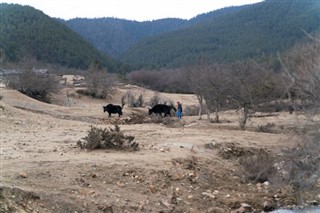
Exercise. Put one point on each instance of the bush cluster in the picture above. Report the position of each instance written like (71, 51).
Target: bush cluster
(302, 165)
(131, 100)
(107, 138)
(34, 84)
(258, 167)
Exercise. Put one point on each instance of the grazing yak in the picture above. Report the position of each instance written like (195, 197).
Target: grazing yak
(162, 108)
(113, 109)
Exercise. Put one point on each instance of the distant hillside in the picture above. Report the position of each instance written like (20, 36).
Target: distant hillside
(115, 36)
(27, 32)
(256, 30)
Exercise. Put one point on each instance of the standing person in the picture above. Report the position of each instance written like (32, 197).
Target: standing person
(179, 111)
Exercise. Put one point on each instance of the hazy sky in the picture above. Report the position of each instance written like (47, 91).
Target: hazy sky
(139, 10)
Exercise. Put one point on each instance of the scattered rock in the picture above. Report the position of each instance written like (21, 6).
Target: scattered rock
(312, 202)
(210, 145)
(215, 210)
(246, 206)
(153, 189)
(239, 210)
(22, 175)
(268, 206)
(120, 184)
(208, 194)
(173, 198)
(165, 204)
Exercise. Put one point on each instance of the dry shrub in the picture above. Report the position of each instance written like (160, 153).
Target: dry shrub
(302, 165)
(87, 92)
(36, 85)
(192, 110)
(131, 100)
(108, 138)
(166, 121)
(258, 167)
(268, 128)
(135, 118)
(139, 101)
(233, 150)
(100, 84)
(154, 100)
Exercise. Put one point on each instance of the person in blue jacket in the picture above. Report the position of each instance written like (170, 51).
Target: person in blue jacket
(179, 110)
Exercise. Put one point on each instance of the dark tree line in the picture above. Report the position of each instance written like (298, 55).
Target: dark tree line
(29, 33)
(251, 32)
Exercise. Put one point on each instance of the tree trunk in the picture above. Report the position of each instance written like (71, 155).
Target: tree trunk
(217, 113)
(244, 118)
(200, 99)
(208, 114)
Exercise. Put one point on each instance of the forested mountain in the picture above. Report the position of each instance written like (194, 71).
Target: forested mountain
(28, 33)
(114, 36)
(223, 35)
(256, 30)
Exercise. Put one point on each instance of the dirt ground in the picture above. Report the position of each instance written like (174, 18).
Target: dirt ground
(190, 165)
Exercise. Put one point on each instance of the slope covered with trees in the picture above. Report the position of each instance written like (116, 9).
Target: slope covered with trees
(256, 30)
(114, 36)
(29, 33)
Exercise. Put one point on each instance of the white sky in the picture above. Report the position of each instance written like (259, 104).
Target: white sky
(139, 10)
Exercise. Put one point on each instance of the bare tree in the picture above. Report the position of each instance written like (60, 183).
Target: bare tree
(302, 64)
(99, 82)
(251, 85)
(210, 84)
(196, 77)
(216, 83)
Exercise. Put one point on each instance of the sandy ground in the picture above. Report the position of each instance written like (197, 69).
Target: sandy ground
(179, 167)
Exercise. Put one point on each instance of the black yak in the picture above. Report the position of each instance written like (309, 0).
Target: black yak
(113, 109)
(161, 108)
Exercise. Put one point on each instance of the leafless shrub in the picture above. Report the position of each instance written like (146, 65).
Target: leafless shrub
(136, 118)
(108, 138)
(154, 100)
(269, 128)
(131, 100)
(301, 72)
(36, 85)
(191, 110)
(86, 92)
(128, 98)
(258, 167)
(99, 83)
(302, 165)
(140, 101)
